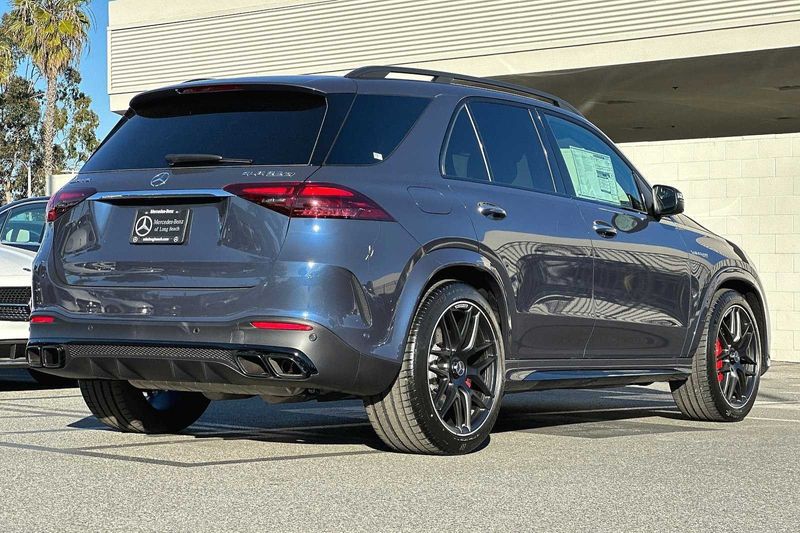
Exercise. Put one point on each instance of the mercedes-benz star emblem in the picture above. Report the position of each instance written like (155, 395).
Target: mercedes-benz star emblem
(459, 367)
(143, 226)
(159, 179)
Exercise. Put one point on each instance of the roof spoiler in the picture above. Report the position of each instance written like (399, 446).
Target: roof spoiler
(206, 86)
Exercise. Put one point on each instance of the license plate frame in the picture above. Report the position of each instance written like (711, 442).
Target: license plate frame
(161, 226)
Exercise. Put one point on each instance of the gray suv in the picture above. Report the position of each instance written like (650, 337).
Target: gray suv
(425, 244)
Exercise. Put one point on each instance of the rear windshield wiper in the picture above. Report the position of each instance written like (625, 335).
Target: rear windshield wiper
(176, 160)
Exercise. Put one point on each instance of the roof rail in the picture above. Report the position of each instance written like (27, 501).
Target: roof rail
(381, 72)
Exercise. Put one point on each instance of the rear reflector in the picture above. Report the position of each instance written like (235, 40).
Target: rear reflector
(281, 326)
(317, 200)
(41, 319)
(63, 201)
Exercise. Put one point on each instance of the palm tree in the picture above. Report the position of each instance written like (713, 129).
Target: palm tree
(52, 33)
(7, 63)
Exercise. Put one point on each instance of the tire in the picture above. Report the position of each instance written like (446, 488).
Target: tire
(119, 405)
(405, 416)
(49, 380)
(703, 395)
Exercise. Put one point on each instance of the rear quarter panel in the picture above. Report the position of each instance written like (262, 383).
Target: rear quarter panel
(409, 186)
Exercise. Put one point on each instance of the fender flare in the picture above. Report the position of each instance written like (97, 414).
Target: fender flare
(421, 270)
(739, 273)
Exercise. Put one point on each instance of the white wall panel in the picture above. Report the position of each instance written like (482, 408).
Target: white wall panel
(336, 35)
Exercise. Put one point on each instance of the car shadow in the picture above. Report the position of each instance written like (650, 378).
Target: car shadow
(19, 379)
(594, 413)
(334, 423)
(624, 412)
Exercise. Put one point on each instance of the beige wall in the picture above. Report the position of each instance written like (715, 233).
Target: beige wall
(56, 181)
(747, 189)
(153, 43)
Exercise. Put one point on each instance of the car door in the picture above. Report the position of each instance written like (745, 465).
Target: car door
(526, 221)
(641, 268)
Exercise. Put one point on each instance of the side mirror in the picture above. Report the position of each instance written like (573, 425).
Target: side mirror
(667, 201)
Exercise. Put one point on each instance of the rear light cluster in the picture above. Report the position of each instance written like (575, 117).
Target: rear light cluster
(63, 201)
(312, 200)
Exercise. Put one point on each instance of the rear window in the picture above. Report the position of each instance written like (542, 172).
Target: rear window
(513, 148)
(374, 128)
(268, 127)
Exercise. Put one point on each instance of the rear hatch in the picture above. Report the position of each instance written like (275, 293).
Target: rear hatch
(157, 213)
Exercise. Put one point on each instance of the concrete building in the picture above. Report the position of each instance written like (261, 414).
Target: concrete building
(702, 94)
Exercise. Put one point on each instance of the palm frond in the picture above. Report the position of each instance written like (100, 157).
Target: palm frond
(53, 33)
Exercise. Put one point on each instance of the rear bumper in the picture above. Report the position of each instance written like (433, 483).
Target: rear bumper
(231, 358)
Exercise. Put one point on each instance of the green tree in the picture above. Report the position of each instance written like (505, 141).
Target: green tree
(76, 123)
(20, 103)
(21, 127)
(52, 33)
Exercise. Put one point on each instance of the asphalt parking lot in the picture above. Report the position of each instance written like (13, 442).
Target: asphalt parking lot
(610, 459)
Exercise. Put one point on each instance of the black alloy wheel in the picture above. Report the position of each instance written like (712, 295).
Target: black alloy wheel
(737, 351)
(448, 392)
(727, 364)
(462, 368)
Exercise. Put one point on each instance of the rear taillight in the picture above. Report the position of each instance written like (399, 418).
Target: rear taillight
(276, 196)
(310, 200)
(63, 201)
(42, 319)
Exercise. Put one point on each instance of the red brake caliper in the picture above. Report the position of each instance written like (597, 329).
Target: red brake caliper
(718, 355)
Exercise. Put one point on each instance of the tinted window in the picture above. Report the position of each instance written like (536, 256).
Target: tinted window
(373, 129)
(25, 225)
(463, 157)
(512, 145)
(595, 169)
(271, 128)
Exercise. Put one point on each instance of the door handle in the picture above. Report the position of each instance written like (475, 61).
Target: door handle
(492, 211)
(604, 229)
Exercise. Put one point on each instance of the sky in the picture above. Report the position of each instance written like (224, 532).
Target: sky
(93, 65)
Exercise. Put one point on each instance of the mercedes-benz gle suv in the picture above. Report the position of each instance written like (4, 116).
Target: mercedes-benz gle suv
(425, 244)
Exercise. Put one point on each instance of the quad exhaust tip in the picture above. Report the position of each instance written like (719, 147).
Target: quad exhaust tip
(34, 356)
(45, 356)
(278, 365)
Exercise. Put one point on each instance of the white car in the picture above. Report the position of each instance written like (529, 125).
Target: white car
(15, 297)
(21, 229)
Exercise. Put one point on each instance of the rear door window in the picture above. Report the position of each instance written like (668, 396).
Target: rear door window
(374, 127)
(596, 171)
(268, 127)
(513, 146)
(24, 225)
(463, 158)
